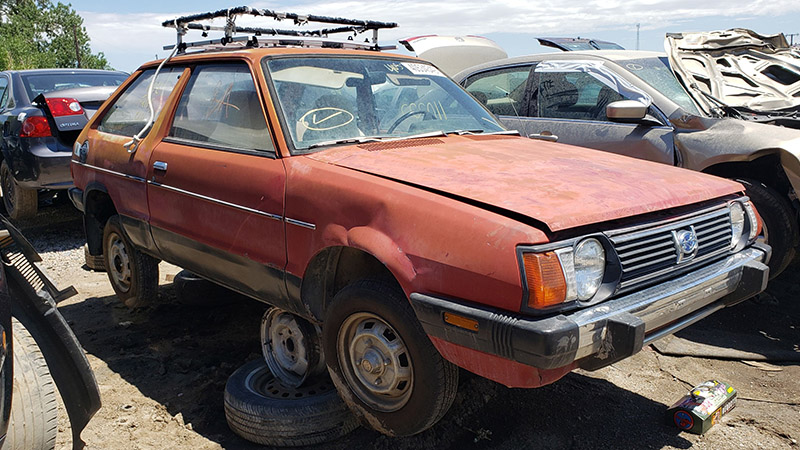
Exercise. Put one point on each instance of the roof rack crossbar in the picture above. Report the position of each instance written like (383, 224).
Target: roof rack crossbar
(240, 42)
(182, 24)
(275, 32)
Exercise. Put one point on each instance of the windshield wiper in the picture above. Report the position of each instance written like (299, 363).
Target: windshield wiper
(723, 109)
(352, 140)
(485, 133)
(378, 138)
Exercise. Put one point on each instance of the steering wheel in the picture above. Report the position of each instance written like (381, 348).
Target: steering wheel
(402, 118)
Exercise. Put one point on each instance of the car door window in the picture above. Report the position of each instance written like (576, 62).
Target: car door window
(221, 108)
(130, 111)
(501, 91)
(573, 95)
(3, 92)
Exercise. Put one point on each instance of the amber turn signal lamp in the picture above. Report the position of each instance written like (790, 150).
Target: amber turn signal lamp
(546, 283)
(461, 321)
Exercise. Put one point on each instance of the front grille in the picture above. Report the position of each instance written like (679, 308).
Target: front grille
(648, 254)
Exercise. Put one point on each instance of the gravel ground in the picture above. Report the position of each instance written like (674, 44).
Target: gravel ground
(162, 371)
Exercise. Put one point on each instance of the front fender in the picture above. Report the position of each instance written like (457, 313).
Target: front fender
(385, 250)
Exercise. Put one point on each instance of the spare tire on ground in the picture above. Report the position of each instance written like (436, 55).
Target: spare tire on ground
(261, 409)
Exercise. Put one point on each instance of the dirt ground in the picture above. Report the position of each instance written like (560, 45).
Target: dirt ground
(162, 372)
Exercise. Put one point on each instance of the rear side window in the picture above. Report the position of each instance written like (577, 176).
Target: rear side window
(130, 111)
(220, 107)
(501, 91)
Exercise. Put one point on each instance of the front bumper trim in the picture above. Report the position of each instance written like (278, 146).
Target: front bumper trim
(608, 332)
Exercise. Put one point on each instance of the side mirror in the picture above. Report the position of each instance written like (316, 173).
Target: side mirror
(626, 110)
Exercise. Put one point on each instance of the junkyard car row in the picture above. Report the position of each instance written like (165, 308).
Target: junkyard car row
(398, 230)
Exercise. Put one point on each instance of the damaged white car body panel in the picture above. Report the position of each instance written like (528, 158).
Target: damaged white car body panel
(452, 54)
(740, 67)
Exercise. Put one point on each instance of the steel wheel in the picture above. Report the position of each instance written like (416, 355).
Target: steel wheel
(119, 262)
(375, 361)
(291, 347)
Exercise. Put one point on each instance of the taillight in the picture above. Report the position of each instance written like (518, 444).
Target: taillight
(61, 106)
(35, 126)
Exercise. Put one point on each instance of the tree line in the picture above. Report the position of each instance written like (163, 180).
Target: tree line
(38, 34)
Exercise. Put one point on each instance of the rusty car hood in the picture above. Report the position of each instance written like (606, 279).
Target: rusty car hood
(561, 185)
(740, 67)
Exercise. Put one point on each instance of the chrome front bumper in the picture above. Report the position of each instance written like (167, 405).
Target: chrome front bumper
(602, 334)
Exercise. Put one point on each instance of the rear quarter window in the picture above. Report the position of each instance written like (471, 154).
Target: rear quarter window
(130, 112)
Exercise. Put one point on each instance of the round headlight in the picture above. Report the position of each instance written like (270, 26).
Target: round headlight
(737, 223)
(590, 266)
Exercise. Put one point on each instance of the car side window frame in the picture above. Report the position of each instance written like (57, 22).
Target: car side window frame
(525, 109)
(196, 69)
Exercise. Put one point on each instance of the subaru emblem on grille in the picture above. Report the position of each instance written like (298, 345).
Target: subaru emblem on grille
(685, 244)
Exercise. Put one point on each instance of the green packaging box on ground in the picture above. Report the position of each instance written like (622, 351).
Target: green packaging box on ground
(702, 407)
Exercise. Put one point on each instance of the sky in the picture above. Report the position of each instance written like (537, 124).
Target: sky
(129, 33)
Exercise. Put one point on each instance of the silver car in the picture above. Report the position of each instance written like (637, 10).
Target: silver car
(631, 103)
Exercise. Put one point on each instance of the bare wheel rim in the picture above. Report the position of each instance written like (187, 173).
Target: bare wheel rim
(290, 347)
(119, 262)
(375, 361)
(263, 383)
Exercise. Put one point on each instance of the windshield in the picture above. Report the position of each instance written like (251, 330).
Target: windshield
(44, 83)
(657, 73)
(328, 100)
(603, 45)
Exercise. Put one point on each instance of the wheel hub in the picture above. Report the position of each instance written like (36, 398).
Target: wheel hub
(372, 362)
(375, 361)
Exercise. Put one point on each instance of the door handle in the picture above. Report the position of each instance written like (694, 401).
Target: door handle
(546, 136)
(160, 165)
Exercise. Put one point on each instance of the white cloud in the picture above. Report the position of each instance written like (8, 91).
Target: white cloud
(131, 39)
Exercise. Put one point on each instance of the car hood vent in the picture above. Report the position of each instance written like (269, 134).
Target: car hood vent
(389, 145)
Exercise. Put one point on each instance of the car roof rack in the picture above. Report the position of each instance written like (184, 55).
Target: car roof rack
(272, 37)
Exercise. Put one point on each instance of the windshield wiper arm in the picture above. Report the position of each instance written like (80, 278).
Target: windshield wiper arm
(352, 140)
(726, 109)
(485, 133)
(378, 138)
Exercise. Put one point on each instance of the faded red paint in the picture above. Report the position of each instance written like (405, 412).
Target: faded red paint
(561, 185)
(431, 243)
(506, 372)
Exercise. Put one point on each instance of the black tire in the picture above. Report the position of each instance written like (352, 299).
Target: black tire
(261, 409)
(34, 409)
(194, 290)
(20, 203)
(410, 408)
(780, 223)
(133, 274)
(94, 262)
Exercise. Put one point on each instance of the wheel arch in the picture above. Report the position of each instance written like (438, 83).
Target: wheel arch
(99, 207)
(764, 165)
(367, 254)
